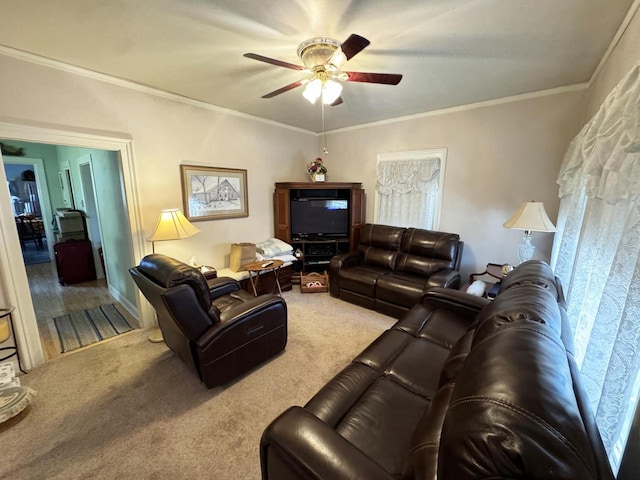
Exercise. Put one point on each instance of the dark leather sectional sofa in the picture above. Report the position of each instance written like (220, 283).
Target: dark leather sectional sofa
(459, 388)
(393, 266)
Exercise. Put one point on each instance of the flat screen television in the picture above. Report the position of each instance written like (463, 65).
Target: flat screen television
(316, 218)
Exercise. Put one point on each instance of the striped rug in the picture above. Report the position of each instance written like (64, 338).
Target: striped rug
(79, 329)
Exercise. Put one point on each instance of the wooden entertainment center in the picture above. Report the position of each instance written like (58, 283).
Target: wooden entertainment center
(318, 247)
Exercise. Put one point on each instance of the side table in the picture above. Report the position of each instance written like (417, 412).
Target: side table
(6, 329)
(256, 269)
(208, 272)
(494, 270)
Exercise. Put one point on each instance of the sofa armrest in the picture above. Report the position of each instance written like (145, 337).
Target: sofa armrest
(242, 317)
(455, 300)
(343, 260)
(299, 445)
(338, 262)
(222, 286)
(444, 278)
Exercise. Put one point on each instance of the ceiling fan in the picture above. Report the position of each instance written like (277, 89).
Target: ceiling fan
(322, 58)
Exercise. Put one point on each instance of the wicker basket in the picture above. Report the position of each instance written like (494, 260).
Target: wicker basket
(314, 282)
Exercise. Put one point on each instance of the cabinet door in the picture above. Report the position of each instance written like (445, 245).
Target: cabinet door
(282, 225)
(357, 216)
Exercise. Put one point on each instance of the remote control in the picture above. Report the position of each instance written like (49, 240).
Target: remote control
(266, 264)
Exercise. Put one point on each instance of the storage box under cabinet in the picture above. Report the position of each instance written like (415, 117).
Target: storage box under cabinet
(314, 282)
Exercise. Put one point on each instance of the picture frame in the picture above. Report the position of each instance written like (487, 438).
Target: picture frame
(213, 193)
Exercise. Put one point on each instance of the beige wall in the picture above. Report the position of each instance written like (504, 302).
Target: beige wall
(498, 156)
(165, 134)
(624, 56)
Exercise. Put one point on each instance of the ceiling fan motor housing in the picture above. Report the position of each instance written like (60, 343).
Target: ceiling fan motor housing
(317, 51)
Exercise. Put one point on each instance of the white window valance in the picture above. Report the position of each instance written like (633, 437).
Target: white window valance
(409, 188)
(404, 176)
(604, 158)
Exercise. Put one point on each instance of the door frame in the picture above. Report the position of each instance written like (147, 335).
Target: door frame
(13, 275)
(92, 212)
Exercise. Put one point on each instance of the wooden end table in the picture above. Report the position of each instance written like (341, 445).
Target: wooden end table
(493, 270)
(255, 269)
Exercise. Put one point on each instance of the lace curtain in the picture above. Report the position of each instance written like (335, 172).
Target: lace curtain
(596, 255)
(407, 191)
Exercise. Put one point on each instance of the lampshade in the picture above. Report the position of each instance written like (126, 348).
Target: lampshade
(532, 217)
(313, 90)
(172, 225)
(330, 92)
(328, 89)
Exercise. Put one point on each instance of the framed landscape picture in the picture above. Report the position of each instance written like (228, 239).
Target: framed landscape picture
(212, 193)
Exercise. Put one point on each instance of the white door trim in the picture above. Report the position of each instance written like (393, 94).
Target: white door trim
(13, 274)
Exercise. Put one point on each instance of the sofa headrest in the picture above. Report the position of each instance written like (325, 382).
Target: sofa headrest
(536, 272)
(521, 304)
(169, 272)
(513, 411)
(430, 244)
(381, 236)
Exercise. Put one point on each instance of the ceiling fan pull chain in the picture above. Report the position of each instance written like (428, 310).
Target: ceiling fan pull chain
(325, 150)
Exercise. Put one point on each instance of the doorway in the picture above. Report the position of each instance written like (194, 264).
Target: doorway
(12, 271)
(32, 204)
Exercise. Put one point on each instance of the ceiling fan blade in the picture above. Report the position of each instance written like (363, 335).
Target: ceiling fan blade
(337, 102)
(291, 86)
(385, 78)
(273, 61)
(353, 45)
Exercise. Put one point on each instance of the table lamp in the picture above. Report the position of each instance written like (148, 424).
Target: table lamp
(530, 217)
(172, 225)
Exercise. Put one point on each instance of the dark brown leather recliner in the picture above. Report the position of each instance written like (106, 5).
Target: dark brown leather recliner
(218, 329)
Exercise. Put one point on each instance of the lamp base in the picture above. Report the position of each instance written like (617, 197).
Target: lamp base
(526, 248)
(156, 336)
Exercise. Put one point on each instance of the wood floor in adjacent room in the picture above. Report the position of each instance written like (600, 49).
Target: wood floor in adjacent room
(50, 300)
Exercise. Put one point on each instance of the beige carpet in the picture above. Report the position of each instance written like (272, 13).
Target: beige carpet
(129, 409)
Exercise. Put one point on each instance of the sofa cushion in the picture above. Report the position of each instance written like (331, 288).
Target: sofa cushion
(422, 460)
(361, 279)
(424, 252)
(379, 245)
(357, 401)
(400, 288)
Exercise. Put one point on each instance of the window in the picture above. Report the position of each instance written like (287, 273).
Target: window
(596, 255)
(409, 187)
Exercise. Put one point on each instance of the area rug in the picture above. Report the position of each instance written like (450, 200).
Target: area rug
(79, 329)
(33, 255)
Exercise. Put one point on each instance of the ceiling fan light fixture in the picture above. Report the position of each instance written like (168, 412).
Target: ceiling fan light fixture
(313, 90)
(330, 92)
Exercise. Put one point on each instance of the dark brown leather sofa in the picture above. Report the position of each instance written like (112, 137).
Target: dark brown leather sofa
(393, 267)
(459, 388)
(219, 330)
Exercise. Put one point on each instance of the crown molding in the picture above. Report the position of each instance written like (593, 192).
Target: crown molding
(101, 77)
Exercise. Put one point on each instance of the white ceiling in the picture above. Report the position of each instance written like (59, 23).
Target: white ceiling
(451, 52)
